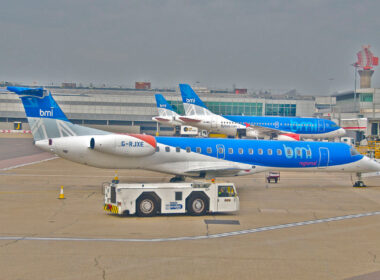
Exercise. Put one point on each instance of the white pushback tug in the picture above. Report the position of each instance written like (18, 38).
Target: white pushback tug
(146, 200)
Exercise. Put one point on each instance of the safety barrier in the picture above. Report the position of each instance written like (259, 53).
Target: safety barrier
(14, 131)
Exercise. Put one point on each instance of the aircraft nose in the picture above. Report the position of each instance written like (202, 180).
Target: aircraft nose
(370, 165)
(341, 132)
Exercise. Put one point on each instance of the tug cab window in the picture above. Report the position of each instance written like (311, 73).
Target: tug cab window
(226, 191)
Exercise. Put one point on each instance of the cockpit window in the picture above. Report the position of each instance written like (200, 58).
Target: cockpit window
(354, 152)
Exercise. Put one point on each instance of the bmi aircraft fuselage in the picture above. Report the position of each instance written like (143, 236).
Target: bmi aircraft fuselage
(195, 157)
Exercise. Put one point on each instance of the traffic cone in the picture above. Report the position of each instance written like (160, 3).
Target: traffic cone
(115, 179)
(61, 195)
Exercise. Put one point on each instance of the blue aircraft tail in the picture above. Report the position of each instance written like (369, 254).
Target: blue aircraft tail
(162, 102)
(45, 117)
(38, 103)
(189, 96)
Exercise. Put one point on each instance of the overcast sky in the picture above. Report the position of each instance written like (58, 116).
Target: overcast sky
(306, 45)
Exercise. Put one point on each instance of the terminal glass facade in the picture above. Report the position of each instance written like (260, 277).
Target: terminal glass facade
(366, 97)
(287, 110)
(226, 108)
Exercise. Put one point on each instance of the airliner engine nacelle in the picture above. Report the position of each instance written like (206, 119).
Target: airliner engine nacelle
(133, 145)
(289, 137)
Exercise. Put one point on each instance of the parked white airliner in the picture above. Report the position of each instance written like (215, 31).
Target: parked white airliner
(194, 157)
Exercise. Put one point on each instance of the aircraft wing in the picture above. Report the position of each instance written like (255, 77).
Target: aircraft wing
(208, 169)
(217, 168)
(261, 130)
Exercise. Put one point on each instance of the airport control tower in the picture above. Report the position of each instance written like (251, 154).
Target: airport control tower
(365, 63)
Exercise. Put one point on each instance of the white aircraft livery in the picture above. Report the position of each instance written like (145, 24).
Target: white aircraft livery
(166, 114)
(286, 128)
(194, 157)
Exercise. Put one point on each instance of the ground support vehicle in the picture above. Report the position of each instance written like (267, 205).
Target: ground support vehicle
(197, 198)
(273, 175)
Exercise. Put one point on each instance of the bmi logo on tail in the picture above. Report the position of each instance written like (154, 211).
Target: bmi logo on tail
(46, 113)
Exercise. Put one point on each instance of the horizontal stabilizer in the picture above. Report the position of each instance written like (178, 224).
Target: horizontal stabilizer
(159, 119)
(189, 120)
(23, 91)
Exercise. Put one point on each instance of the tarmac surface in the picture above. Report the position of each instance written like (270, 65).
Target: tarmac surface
(308, 226)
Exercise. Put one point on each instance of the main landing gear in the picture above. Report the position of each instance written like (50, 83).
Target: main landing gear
(177, 179)
(359, 183)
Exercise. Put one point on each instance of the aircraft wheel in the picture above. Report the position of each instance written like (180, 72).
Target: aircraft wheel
(197, 206)
(146, 206)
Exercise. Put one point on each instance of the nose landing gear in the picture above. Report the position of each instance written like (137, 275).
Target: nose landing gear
(359, 183)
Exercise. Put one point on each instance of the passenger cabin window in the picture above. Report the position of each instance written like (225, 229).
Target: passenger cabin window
(188, 149)
(298, 152)
(279, 152)
(250, 151)
(167, 149)
(220, 151)
(209, 150)
(199, 150)
(230, 151)
(226, 191)
(157, 149)
(308, 153)
(240, 151)
(260, 151)
(270, 152)
(177, 149)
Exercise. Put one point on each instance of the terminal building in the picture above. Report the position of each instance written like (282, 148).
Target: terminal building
(132, 110)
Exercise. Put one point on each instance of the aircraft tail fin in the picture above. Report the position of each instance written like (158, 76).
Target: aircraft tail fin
(45, 117)
(163, 106)
(192, 103)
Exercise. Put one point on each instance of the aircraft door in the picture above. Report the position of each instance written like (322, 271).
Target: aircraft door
(220, 151)
(321, 126)
(214, 123)
(324, 157)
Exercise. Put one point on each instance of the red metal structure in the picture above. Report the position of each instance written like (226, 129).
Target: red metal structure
(366, 60)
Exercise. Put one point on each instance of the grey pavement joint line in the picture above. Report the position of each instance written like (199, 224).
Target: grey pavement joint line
(211, 236)
(25, 164)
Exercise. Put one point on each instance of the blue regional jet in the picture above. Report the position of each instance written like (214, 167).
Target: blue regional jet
(193, 157)
(286, 128)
